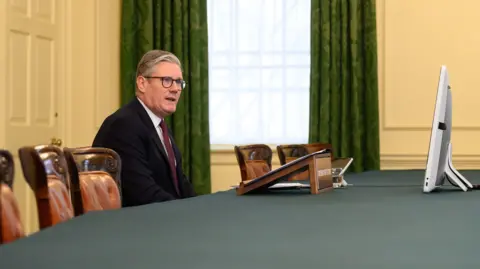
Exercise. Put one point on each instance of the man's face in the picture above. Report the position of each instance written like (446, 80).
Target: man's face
(161, 90)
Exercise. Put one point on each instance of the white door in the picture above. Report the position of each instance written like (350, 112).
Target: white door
(34, 83)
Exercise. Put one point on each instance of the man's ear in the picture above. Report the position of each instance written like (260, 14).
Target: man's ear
(141, 84)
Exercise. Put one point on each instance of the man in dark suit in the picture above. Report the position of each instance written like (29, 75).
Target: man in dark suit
(151, 162)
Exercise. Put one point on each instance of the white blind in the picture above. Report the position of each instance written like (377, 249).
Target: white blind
(259, 68)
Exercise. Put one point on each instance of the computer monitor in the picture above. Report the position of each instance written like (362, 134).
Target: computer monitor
(439, 161)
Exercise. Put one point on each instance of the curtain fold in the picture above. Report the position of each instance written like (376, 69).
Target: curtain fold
(343, 80)
(178, 26)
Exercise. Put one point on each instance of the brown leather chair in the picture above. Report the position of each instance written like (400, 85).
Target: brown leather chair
(11, 227)
(95, 179)
(288, 153)
(46, 172)
(254, 160)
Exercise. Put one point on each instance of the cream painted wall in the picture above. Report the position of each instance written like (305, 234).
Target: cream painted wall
(414, 39)
(93, 59)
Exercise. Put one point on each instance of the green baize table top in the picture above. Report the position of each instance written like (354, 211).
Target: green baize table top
(382, 221)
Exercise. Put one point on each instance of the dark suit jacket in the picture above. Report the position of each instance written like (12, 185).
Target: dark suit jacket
(145, 176)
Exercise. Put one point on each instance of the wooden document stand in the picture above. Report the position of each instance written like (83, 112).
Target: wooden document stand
(318, 165)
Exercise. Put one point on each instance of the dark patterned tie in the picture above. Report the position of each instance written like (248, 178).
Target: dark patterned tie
(171, 155)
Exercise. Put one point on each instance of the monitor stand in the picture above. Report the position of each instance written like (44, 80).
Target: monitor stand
(453, 176)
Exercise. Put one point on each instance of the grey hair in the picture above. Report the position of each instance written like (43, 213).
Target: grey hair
(152, 58)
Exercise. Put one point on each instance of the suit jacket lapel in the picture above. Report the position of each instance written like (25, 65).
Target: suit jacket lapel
(153, 133)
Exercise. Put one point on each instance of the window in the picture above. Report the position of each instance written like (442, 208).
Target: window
(259, 71)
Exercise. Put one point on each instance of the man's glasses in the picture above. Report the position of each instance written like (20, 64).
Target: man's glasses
(167, 82)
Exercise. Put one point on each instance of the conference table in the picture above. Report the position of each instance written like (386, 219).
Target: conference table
(383, 220)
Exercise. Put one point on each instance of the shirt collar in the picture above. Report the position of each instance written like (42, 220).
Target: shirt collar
(155, 119)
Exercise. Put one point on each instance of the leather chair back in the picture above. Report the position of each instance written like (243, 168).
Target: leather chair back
(46, 172)
(95, 177)
(11, 227)
(291, 152)
(288, 153)
(254, 160)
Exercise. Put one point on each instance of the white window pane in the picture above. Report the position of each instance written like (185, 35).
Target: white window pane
(297, 59)
(220, 110)
(220, 26)
(250, 59)
(249, 105)
(272, 25)
(296, 112)
(272, 78)
(220, 79)
(272, 59)
(292, 43)
(273, 118)
(259, 71)
(298, 77)
(248, 36)
(221, 60)
(248, 78)
(297, 23)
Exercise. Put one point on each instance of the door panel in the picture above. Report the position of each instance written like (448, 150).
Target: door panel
(32, 57)
(34, 62)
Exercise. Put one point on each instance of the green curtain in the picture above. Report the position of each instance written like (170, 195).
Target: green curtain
(343, 80)
(178, 26)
